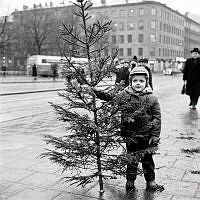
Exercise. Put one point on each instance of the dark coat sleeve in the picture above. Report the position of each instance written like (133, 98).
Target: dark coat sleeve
(150, 77)
(156, 115)
(185, 70)
(103, 95)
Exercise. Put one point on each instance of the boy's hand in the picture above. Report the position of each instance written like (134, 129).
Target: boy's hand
(153, 141)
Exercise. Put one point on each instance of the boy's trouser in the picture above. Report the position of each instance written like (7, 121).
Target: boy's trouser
(147, 162)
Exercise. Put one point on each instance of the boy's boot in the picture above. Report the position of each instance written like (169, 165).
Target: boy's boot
(152, 185)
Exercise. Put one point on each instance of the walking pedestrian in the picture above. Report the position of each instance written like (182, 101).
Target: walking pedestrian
(142, 131)
(122, 73)
(54, 68)
(133, 62)
(144, 62)
(191, 77)
(34, 72)
(4, 69)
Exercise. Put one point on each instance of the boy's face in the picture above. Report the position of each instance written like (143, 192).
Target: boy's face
(138, 82)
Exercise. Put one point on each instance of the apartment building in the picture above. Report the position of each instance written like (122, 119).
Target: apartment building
(145, 29)
(150, 29)
(191, 36)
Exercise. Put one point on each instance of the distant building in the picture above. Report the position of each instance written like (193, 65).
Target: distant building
(193, 16)
(143, 28)
(150, 29)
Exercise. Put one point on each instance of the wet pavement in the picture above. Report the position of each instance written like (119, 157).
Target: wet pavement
(24, 176)
(20, 84)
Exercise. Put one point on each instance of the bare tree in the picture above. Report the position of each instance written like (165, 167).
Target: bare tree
(4, 38)
(34, 29)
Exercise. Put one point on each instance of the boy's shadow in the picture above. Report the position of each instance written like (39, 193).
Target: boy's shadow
(140, 194)
(134, 194)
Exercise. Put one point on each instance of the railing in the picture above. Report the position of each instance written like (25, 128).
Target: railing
(13, 73)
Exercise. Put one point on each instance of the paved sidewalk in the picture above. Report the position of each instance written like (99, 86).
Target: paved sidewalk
(23, 176)
(27, 79)
(22, 84)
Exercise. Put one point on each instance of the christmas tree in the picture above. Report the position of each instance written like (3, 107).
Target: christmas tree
(92, 145)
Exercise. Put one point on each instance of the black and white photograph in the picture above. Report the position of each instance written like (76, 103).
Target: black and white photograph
(99, 99)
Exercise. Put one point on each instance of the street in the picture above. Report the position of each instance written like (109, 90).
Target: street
(26, 118)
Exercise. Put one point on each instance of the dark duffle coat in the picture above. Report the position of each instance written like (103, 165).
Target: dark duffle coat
(145, 124)
(191, 74)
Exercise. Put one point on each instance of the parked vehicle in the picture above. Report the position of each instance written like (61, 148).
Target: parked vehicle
(171, 71)
(44, 64)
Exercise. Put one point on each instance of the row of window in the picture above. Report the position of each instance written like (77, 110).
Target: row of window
(131, 12)
(170, 40)
(132, 26)
(162, 39)
(162, 52)
(134, 12)
(121, 38)
(171, 29)
(170, 53)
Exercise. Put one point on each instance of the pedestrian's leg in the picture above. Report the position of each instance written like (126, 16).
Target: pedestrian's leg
(194, 100)
(196, 97)
(190, 100)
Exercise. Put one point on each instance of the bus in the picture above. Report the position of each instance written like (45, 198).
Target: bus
(44, 64)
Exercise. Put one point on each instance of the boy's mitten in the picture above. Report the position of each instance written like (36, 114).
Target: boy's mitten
(153, 141)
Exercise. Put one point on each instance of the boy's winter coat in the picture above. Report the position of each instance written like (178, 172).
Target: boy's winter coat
(140, 112)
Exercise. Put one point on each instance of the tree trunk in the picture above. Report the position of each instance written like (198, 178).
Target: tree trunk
(98, 149)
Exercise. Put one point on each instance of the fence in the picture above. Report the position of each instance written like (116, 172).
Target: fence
(13, 73)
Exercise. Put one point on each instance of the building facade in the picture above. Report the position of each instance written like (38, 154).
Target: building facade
(145, 29)
(150, 29)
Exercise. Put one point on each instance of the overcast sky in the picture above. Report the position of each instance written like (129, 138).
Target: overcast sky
(7, 6)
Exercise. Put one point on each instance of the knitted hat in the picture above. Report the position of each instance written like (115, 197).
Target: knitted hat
(140, 70)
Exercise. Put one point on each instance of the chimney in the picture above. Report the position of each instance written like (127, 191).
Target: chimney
(103, 2)
(34, 6)
(46, 5)
(62, 3)
(25, 7)
(51, 4)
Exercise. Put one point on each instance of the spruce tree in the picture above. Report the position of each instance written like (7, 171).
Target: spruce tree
(92, 142)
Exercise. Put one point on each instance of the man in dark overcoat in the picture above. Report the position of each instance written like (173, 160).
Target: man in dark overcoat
(34, 72)
(122, 74)
(191, 77)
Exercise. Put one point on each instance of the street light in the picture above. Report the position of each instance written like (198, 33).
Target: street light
(4, 60)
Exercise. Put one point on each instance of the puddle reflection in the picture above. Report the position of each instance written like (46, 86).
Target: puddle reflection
(135, 194)
(191, 118)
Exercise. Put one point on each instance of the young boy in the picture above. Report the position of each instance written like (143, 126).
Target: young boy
(144, 128)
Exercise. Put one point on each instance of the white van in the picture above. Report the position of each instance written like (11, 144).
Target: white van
(43, 64)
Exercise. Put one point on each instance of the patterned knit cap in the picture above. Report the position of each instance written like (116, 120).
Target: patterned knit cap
(139, 70)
